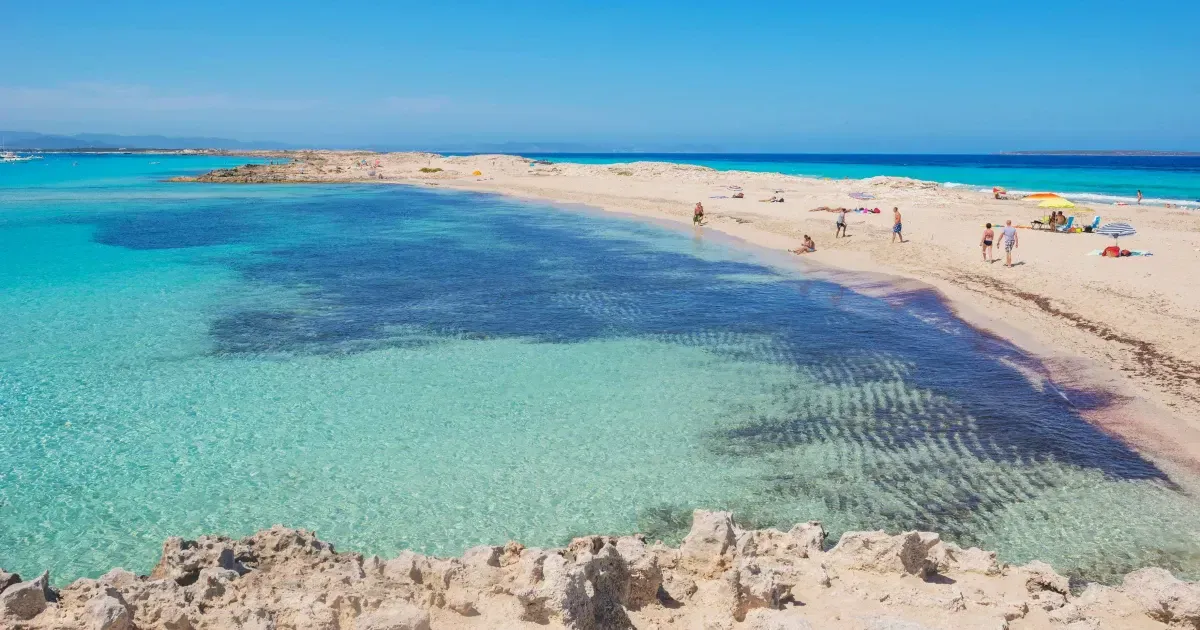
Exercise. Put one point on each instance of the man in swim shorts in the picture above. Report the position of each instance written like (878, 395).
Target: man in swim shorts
(1009, 235)
(841, 224)
(897, 226)
(698, 214)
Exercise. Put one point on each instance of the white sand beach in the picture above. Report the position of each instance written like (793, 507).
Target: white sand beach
(1123, 326)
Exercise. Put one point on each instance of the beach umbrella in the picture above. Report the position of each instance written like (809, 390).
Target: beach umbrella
(1057, 202)
(1116, 230)
(1043, 196)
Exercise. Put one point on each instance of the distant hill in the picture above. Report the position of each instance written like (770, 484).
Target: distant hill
(33, 140)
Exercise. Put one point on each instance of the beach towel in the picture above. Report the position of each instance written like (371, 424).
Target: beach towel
(719, 197)
(862, 195)
(1132, 252)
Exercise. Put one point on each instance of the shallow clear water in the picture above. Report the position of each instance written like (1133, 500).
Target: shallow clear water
(1089, 178)
(407, 368)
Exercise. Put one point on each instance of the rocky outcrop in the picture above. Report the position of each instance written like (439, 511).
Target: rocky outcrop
(722, 577)
(1164, 597)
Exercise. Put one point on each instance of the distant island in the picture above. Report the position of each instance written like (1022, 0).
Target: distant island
(1108, 153)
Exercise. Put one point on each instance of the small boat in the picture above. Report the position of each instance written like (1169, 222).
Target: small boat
(9, 156)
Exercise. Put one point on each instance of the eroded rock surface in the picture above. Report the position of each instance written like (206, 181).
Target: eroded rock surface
(721, 577)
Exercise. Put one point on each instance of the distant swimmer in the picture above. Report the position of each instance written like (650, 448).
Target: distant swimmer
(1139, 197)
(897, 225)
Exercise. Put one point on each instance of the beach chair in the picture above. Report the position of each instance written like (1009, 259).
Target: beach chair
(1040, 224)
(1094, 224)
(1070, 223)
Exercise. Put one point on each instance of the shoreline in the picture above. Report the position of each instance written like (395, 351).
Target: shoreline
(1146, 360)
(720, 576)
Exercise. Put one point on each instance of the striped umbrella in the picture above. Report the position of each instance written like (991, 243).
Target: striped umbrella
(1116, 230)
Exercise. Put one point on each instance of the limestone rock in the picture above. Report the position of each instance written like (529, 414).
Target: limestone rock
(1015, 610)
(396, 616)
(483, 555)
(1039, 576)
(644, 574)
(108, 611)
(678, 587)
(796, 543)
(711, 542)
(405, 567)
(182, 560)
(561, 594)
(888, 623)
(211, 583)
(8, 579)
(25, 600)
(1067, 614)
(755, 587)
(949, 557)
(906, 554)
(1164, 597)
(763, 619)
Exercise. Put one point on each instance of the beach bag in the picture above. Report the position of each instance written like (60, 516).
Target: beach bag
(1126, 252)
(1112, 250)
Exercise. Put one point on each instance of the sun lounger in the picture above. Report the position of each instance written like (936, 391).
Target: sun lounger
(1039, 224)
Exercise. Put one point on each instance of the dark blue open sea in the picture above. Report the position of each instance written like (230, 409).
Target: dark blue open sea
(398, 367)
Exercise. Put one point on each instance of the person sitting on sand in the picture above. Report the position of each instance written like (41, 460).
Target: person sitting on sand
(841, 224)
(986, 244)
(698, 214)
(807, 248)
(897, 225)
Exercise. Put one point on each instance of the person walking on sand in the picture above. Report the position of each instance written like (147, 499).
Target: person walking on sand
(986, 244)
(1139, 196)
(841, 224)
(1009, 234)
(698, 214)
(897, 225)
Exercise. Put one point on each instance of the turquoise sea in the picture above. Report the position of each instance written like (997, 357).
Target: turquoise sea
(400, 367)
(1083, 178)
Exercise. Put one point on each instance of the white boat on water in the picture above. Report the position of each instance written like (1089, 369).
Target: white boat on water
(9, 156)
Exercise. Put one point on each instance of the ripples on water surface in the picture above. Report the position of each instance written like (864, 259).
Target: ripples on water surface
(398, 367)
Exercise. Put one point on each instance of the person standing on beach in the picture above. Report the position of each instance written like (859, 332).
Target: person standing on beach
(698, 214)
(1009, 234)
(897, 226)
(1139, 196)
(841, 224)
(986, 244)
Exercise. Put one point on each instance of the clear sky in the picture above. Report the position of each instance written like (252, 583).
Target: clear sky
(952, 76)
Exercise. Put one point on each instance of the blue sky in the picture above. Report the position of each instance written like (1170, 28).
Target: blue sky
(781, 76)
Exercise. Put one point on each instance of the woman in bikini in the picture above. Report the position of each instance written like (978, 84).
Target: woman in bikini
(986, 244)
